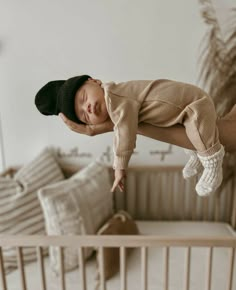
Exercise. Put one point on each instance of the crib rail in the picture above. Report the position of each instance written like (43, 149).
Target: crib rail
(161, 193)
(115, 241)
(143, 242)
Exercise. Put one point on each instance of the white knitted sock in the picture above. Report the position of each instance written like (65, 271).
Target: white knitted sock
(212, 175)
(193, 166)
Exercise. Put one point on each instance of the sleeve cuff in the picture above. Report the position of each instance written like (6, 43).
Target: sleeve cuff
(121, 162)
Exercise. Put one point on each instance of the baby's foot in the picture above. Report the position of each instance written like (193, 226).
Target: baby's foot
(193, 166)
(212, 175)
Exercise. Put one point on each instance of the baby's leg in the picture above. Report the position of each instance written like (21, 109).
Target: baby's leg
(200, 124)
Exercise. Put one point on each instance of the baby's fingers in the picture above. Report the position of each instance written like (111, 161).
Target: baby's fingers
(121, 186)
(114, 186)
(118, 183)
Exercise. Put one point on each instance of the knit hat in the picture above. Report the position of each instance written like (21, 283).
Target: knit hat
(59, 96)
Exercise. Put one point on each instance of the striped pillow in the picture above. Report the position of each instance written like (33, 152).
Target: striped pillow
(76, 206)
(20, 210)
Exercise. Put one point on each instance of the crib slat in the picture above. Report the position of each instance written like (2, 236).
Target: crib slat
(231, 269)
(171, 201)
(231, 208)
(101, 268)
(205, 209)
(233, 214)
(62, 270)
(41, 267)
(217, 206)
(123, 272)
(181, 198)
(2, 271)
(228, 201)
(144, 268)
(209, 269)
(160, 199)
(187, 263)
(194, 198)
(166, 268)
(21, 267)
(82, 268)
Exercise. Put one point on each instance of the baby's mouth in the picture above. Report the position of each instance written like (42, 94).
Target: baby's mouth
(95, 108)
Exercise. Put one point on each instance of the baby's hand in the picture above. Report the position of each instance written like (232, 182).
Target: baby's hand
(119, 176)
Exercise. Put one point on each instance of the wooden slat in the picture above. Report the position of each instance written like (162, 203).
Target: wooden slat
(166, 268)
(205, 209)
(214, 201)
(195, 200)
(148, 198)
(187, 268)
(117, 241)
(123, 269)
(209, 269)
(184, 196)
(231, 270)
(82, 268)
(217, 206)
(229, 198)
(62, 270)
(233, 214)
(2, 271)
(201, 207)
(181, 197)
(169, 168)
(170, 187)
(101, 268)
(41, 267)
(21, 267)
(231, 209)
(144, 269)
(160, 193)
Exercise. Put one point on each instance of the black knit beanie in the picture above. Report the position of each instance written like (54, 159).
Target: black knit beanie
(59, 96)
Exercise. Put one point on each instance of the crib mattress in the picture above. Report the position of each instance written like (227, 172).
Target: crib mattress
(198, 265)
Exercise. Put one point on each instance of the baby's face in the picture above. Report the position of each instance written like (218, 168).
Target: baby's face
(90, 106)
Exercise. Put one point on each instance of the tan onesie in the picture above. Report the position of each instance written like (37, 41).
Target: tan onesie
(162, 103)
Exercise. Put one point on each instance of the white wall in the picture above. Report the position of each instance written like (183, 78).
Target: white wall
(111, 40)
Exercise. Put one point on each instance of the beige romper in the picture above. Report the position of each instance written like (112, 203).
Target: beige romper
(162, 103)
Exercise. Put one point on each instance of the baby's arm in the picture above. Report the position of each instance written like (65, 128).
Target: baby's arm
(125, 118)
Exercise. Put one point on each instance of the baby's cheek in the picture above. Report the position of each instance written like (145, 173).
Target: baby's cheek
(95, 120)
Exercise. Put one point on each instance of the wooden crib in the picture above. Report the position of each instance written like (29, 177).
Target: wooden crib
(154, 194)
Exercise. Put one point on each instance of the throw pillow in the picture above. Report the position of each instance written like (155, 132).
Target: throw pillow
(20, 208)
(120, 224)
(77, 206)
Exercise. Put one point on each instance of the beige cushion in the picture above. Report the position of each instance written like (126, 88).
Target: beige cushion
(20, 210)
(120, 224)
(77, 206)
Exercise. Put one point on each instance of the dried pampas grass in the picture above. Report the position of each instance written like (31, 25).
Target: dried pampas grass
(218, 59)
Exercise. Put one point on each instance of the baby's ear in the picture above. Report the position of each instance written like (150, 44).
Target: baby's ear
(95, 81)
(99, 82)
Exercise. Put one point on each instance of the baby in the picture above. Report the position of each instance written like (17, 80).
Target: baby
(161, 103)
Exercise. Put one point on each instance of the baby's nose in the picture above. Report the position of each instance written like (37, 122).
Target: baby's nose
(89, 108)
